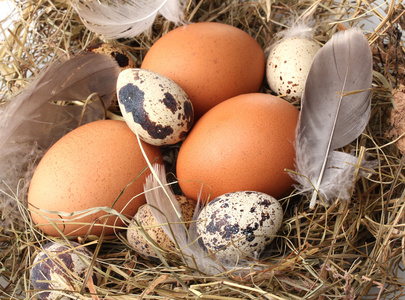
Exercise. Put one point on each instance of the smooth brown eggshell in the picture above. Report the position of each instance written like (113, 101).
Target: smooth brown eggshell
(89, 167)
(211, 61)
(243, 143)
(146, 219)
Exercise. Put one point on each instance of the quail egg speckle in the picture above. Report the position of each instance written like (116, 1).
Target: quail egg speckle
(154, 106)
(238, 225)
(288, 65)
(60, 267)
(146, 219)
(122, 56)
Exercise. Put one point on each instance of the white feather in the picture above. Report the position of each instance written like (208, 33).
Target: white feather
(125, 20)
(172, 11)
(165, 208)
(335, 109)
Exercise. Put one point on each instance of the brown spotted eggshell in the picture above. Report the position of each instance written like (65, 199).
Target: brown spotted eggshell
(122, 56)
(154, 106)
(288, 65)
(146, 219)
(58, 264)
(239, 224)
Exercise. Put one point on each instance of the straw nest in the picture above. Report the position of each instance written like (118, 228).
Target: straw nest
(345, 251)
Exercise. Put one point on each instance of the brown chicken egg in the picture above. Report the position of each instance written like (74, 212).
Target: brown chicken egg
(88, 168)
(243, 143)
(146, 219)
(211, 61)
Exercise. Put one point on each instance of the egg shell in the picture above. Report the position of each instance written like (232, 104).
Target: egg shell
(146, 219)
(122, 56)
(210, 61)
(89, 167)
(56, 259)
(288, 65)
(244, 143)
(154, 106)
(239, 224)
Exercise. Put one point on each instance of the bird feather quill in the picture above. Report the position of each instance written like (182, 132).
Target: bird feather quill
(166, 210)
(116, 19)
(335, 109)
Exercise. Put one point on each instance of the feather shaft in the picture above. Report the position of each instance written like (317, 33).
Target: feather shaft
(328, 148)
(335, 109)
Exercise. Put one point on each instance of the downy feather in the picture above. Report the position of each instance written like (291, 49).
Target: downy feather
(335, 109)
(30, 124)
(117, 19)
(166, 210)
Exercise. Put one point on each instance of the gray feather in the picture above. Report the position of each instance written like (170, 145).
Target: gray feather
(64, 80)
(335, 109)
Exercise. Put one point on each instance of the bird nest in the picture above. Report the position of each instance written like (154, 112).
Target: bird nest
(349, 250)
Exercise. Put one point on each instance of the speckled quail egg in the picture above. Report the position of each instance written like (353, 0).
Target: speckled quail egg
(154, 106)
(239, 225)
(146, 219)
(120, 54)
(59, 270)
(288, 65)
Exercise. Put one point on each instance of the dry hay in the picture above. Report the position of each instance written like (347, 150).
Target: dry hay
(337, 252)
